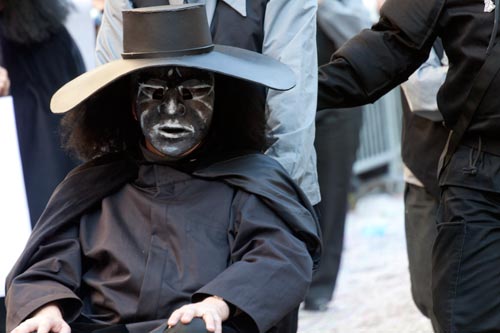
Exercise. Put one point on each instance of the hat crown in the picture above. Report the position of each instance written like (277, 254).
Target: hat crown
(161, 31)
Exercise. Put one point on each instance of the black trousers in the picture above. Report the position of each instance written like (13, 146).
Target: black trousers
(2, 315)
(420, 228)
(336, 143)
(466, 254)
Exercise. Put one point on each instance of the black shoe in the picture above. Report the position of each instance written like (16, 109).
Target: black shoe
(319, 304)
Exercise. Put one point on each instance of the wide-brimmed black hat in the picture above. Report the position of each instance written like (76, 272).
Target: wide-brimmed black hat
(172, 36)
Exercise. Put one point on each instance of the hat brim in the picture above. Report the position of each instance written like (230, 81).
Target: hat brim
(227, 60)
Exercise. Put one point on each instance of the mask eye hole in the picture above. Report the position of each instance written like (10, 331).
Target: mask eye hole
(158, 94)
(186, 93)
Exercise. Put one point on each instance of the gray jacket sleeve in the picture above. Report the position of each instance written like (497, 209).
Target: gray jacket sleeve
(341, 20)
(290, 37)
(422, 86)
(109, 39)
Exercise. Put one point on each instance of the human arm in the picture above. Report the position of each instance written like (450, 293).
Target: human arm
(290, 36)
(48, 272)
(377, 60)
(270, 266)
(109, 39)
(4, 82)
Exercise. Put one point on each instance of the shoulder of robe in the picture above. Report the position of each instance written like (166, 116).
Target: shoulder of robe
(263, 176)
(88, 183)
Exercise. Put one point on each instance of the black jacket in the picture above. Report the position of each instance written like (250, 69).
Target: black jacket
(377, 60)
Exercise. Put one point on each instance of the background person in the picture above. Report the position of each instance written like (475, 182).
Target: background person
(40, 57)
(423, 140)
(336, 143)
(4, 82)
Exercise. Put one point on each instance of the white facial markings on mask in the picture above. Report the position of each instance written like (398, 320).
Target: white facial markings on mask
(172, 129)
(171, 106)
(178, 72)
(205, 103)
(174, 108)
(142, 119)
(204, 86)
(173, 71)
(200, 98)
(148, 89)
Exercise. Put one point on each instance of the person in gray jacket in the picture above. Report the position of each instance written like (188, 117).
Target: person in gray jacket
(336, 143)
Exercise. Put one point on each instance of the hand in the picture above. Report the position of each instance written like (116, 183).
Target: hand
(47, 319)
(212, 309)
(380, 3)
(4, 82)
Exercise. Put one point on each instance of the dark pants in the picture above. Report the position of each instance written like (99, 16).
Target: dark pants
(420, 226)
(466, 254)
(336, 143)
(2, 315)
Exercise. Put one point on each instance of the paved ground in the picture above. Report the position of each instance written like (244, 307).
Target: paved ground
(373, 290)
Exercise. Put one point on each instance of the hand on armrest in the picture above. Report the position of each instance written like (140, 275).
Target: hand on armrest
(213, 310)
(47, 319)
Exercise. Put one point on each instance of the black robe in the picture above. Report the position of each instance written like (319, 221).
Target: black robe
(36, 71)
(256, 175)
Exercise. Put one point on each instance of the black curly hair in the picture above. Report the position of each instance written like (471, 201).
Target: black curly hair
(32, 21)
(105, 123)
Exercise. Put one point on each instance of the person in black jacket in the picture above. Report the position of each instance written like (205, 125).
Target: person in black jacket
(423, 139)
(176, 214)
(466, 264)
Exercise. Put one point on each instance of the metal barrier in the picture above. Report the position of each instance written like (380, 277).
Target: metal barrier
(380, 137)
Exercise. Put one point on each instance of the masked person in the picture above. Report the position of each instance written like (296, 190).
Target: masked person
(176, 214)
(282, 29)
(466, 265)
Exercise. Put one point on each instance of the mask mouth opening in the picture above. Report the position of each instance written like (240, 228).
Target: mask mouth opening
(175, 131)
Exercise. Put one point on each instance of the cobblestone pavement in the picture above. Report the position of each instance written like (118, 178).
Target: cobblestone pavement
(373, 289)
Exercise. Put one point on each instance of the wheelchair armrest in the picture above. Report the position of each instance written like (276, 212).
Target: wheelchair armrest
(197, 325)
